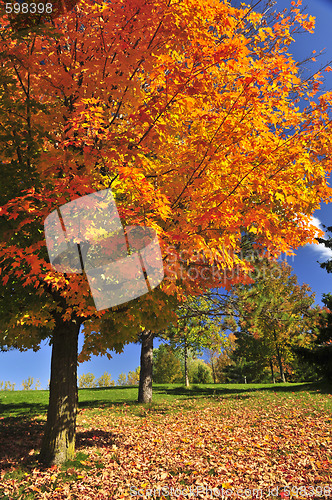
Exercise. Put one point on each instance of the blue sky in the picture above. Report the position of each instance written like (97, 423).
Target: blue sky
(16, 366)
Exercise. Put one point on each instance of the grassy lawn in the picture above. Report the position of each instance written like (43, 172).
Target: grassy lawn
(241, 441)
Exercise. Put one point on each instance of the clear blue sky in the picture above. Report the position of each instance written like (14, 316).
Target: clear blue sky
(16, 366)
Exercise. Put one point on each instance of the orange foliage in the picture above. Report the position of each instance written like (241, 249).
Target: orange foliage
(188, 111)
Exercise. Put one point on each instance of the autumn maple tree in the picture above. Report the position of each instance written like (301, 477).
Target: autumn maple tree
(189, 112)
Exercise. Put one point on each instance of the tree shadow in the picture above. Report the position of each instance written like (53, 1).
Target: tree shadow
(111, 387)
(104, 403)
(95, 437)
(198, 391)
(21, 435)
(21, 409)
(19, 438)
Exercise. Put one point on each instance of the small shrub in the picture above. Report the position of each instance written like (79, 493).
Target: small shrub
(133, 377)
(122, 379)
(27, 384)
(7, 386)
(200, 372)
(87, 381)
(105, 380)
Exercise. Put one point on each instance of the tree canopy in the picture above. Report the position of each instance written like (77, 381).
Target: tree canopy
(109, 93)
(188, 112)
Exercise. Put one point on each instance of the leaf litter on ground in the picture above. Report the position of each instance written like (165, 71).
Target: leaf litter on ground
(250, 445)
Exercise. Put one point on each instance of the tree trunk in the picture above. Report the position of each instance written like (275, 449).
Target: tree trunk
(186, 378)
(272, 371)
(213, 370)
(58, 444)
(281, 368)
(145, 376)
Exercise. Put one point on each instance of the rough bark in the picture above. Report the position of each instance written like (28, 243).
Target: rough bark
(145, 376)
(58, 444)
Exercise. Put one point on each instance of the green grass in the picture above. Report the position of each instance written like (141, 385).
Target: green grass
(217, 427)
(123, 399)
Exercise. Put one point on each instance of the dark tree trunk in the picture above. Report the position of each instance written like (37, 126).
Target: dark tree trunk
(58, 444)
(145, 376)
(186, 378)
(272, 371)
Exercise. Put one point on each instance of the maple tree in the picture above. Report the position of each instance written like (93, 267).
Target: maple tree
(107, 96)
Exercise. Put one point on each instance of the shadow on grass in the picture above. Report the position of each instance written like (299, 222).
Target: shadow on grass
(233, 389)
(106, 403)
(20, 435)
(122, 398)
(21, 409)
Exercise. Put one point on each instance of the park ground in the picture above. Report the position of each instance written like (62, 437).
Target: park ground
(209, 441)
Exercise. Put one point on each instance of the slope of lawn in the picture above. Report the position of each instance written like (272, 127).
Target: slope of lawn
(209, 441)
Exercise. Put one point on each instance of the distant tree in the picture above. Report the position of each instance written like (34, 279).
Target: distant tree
(323, 342)
(133, 377)
(315, 360)
(105, 380)
(7, 386)
(322, 352)
(122, 379)
(87, 381)
(27, 384)
(200, 372)
(166, 365)
(250, 358)
(272, 314)
(243, 371)
(219, 363)
(304, 366)
(200, 326)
